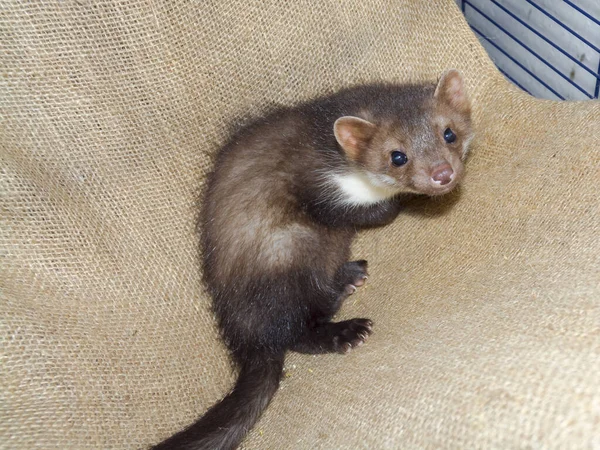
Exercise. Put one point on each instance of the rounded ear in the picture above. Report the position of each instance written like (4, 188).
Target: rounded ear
(353, 134)
(451, 90)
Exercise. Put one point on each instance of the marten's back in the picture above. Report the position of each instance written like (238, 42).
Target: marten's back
(255, 226)
(263, 255)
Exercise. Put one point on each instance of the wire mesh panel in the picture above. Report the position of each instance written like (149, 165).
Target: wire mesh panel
(549, 48)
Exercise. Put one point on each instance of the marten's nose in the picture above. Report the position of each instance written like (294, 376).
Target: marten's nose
(442, 174)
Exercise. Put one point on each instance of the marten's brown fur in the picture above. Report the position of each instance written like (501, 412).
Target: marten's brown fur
(286, 197)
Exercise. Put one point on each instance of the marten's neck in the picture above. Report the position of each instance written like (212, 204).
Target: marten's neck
(357, 187)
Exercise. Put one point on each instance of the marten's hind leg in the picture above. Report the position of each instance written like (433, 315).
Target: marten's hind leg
(324, 336)
(334, 337)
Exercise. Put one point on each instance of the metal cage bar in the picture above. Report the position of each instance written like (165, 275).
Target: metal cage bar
(588, 90)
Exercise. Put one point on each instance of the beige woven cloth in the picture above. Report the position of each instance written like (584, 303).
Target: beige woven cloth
(486, 304)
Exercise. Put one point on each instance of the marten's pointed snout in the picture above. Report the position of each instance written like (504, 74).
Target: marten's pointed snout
(442, 174)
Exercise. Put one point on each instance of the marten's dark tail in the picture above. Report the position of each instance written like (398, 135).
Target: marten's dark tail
(226, 423)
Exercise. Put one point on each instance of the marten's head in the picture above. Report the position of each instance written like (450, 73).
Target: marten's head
(417, 147)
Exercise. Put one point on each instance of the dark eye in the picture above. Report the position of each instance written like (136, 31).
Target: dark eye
(449, 136)
(399, 158)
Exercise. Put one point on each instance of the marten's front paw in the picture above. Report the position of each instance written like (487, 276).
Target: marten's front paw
(356, 275)
(351, 333)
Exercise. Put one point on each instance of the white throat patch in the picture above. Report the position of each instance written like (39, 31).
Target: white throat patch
(364, 188)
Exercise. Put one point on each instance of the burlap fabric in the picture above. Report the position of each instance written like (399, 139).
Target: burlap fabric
(486, 303)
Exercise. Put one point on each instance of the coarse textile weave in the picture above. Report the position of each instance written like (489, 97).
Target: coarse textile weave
(486, 303)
